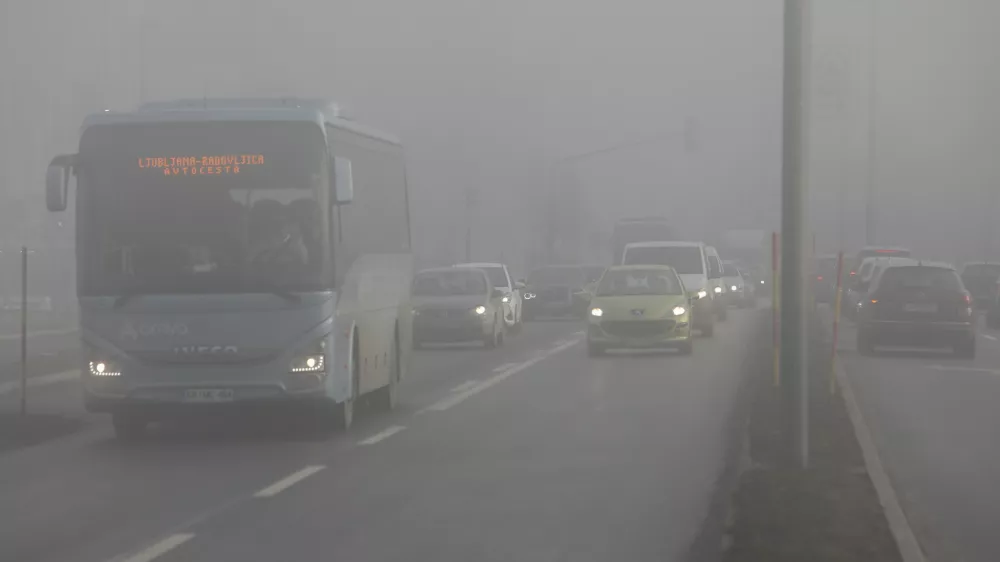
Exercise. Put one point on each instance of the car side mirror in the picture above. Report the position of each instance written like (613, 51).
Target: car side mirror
(343, 181)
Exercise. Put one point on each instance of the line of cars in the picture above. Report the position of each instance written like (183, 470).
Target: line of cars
(896, 299)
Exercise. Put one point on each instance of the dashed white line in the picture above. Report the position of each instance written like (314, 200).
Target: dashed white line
(465, 385)
(160, 548)
(503, 367)
(288, 481)
(382, 435)
(989, 337)
(458, 397)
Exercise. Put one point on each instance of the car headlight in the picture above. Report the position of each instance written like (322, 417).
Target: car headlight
(718, 290)
(529, 296)
(679, 310)
(702, 293)
(761, 281)
(480, 310)
(311, 360)
(506, 298)
(596, 312)
(104, 369)
(734, 288)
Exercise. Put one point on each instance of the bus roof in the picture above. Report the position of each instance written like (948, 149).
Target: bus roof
(239, 109)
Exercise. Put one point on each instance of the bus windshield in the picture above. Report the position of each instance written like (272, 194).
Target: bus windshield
(199, 207)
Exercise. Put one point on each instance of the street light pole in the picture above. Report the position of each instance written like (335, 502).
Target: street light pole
(793, 364)
(872, 123)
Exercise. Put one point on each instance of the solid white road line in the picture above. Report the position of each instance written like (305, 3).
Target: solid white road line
(288, 481)
(989, 337)
(906, 540)
(41, 380)
(160, 548)
(503, 367)
(382, 435)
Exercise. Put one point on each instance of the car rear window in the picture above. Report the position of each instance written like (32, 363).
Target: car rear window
(913, 278)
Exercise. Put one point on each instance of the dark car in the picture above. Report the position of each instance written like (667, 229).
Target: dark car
(980, 279)
(456, 304)
(923, 304)
(556, 290)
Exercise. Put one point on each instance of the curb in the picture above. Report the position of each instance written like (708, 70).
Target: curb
(906, 540)
(7, 387)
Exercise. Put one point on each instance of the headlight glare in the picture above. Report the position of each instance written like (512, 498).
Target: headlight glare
(480, 310)
(718, 290)
(529, 296)
(734, 288)
(596, 312)
(104, 369)
(679, 310)
(702, 294)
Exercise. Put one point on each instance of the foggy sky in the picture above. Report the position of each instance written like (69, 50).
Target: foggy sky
(492, 97)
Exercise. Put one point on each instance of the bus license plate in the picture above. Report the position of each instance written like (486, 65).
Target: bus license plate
(208, 395)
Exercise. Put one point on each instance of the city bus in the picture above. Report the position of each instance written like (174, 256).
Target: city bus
(237, 253)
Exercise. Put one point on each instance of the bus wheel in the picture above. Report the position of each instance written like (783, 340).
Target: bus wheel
(128, 426)
(343, 416)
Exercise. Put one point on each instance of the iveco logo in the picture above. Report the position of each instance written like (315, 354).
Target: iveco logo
(637, 312)
(206, 350)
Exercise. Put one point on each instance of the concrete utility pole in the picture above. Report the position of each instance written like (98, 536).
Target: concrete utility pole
(872, 123)
(793, 362)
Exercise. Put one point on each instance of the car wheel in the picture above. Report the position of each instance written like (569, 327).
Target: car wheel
(128, 426)
(594, 350)
(501, 332)
(490, 342)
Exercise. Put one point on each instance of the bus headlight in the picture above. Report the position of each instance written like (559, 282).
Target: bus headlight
(104, 369)
(311, 360)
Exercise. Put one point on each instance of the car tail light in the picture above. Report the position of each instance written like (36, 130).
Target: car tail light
(819, 277)
(853, 272)
(967, 298)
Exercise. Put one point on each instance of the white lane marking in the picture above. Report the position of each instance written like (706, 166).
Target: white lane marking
(906, 541)
(288, 481)
(41, 380)
(503, 367)
(963, 368)
(382, 435)
(989, 337)
(580, 333)
(160, 548)
(465, 385)
(459, 397)
(36, 333)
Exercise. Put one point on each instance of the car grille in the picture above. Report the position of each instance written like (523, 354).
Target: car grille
(637, 328)
(554, 294)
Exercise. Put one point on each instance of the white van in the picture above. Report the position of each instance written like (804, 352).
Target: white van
(690, 261)
(720, 292)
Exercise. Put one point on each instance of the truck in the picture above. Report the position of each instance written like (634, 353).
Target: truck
(237, 254)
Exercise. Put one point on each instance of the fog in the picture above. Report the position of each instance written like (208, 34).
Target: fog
(498, 98)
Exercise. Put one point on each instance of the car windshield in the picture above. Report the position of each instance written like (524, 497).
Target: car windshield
(626, 282)
(914, 278)
(496, 275)
(456, 282)
(685, 260)
(572, 276)
(202, 208)
(730, 270)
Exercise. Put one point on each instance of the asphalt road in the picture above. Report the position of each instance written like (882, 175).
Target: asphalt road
(530, 452)
(935, 422)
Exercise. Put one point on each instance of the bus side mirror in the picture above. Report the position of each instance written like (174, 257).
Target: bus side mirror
(343, 181)
(57, 183)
